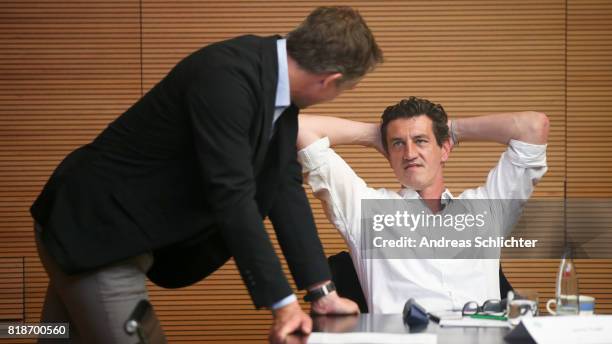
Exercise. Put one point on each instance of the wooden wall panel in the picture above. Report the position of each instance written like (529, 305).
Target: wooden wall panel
(68, 68)
(589, 98)
(12, 286)
(589, 143)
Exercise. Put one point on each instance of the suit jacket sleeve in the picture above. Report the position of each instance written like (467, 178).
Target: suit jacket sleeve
(221, 111)
(296, 231)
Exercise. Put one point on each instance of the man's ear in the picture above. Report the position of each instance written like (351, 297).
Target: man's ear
(446, 149)
(330, 79)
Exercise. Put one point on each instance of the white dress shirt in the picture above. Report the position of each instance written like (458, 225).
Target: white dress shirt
(283, 91)
(436, 284)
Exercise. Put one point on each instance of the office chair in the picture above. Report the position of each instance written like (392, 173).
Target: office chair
(347, 284)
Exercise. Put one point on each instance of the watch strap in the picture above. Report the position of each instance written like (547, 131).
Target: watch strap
(319, 292)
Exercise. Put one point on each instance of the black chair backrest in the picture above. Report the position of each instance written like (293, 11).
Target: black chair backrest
(345, 278)
(504, 284)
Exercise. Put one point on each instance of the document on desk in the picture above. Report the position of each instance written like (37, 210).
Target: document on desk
(595, 329)
(471, 322)
(371, 338)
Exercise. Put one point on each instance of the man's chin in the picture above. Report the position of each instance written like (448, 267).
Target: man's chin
(412, 185)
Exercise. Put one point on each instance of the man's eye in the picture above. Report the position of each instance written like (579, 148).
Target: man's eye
(398, 143)
(421, 141)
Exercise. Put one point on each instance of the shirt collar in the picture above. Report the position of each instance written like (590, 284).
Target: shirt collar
(446, 195)
(283, 96)
(408, 193)
(445, 198)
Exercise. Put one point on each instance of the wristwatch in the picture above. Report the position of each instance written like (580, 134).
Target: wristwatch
(317, 293)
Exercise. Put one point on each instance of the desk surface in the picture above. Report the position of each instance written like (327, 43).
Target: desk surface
(392, 323)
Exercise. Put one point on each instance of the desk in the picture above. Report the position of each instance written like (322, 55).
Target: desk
(392, 323)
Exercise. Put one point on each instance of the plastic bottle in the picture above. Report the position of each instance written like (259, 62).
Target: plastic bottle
(567, 286)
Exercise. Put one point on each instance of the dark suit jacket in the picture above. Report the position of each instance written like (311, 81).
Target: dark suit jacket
(189, 172)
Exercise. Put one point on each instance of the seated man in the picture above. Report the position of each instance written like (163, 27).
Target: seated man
(415, 137)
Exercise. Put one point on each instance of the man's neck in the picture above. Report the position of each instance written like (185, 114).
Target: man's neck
(432, 195)
(298, 77)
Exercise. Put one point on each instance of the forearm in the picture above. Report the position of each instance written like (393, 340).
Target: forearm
(296, 231)
(248, 242)
(529, 126)
(339, 131)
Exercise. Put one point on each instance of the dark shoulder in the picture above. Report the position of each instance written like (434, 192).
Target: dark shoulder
(242, 49)
(239, 55)
(241, 59)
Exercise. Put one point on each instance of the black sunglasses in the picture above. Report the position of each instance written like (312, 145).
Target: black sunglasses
(488, 307)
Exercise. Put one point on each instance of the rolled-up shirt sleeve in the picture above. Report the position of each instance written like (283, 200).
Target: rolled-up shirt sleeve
(513, 180)
(519, 169)
(335, 184)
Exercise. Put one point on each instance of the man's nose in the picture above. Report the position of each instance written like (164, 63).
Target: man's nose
(409, 151)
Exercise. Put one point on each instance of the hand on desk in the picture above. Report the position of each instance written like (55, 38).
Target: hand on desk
(289, 319)
(334, 304)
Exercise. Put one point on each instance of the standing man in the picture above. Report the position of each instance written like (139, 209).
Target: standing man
(182, 180)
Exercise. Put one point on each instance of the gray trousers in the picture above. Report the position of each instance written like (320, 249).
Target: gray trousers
(97, 303)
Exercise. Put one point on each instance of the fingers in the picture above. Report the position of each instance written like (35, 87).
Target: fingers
(352, 307)
(306, 327)
(296, 321)
(288, 327)
(278, 334)
(285, 329)
(348, 307)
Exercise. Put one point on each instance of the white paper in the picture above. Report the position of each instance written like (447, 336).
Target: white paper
(371, 337)
(596, 329)
(472, 322)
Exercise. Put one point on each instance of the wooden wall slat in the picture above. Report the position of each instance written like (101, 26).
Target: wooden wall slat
(68, 68)
(589, 98)
(11, 288)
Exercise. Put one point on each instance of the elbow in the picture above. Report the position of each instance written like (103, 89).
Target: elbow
(536, 127)
(307, 132)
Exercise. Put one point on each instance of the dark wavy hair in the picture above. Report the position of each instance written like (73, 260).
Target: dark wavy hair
(412, 107)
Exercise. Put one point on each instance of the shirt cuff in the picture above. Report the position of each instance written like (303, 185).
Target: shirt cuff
(526, 154)
(312, 157)
(283, 302)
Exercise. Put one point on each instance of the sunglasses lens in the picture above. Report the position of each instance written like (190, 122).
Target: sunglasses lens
(492, 306)
(470, 308)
